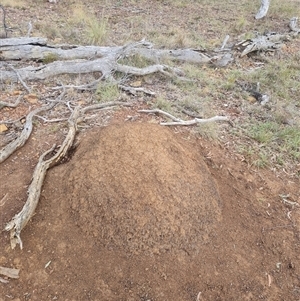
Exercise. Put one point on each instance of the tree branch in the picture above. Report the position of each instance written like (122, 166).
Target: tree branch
(10, 148)
(263, 10)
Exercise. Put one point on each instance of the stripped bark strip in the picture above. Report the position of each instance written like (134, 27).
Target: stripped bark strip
(10, 148)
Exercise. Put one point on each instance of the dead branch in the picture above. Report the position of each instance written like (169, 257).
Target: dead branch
(3, 200)
(177, 121)
(20, 220)
(197, 120)
(20, 79)
(51, 120)
(133, 90)
(158, 111)
(263, 10)
(4, 104)
(10, 148)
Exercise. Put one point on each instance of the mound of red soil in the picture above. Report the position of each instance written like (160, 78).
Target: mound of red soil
(139, 213)
(137, 187)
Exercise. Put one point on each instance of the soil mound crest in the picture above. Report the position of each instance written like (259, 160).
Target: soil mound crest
(141, 188)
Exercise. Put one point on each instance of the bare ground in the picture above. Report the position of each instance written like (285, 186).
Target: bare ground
(143, 212)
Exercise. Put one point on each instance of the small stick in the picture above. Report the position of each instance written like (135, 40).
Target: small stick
(225, 42)
(197, 120)
(4, 104)
(20, 78)
(2, 202)
(158, 111)
(269, 280)
(52, 120)
(29, 29)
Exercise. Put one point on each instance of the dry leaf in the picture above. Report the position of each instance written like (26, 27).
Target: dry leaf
(251, 99)
(136, 84)
(3, 128)
(31, 98)
(17, 92)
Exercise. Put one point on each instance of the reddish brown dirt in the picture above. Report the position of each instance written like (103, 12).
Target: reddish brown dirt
(142, 213)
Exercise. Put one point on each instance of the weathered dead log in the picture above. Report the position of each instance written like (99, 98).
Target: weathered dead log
(68, 59)
(263, 10)
(22, 41)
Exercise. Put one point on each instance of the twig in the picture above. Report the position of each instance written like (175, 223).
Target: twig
(3, 200)
(10, 148)
(198, 296)
(197, 120)
(4, 104)
(20, 79)
(29, 29)
(52, 120)
(133, 90)
(269, 280)
(178, 121)
(224, 42)
(286, 201)
(158, 111)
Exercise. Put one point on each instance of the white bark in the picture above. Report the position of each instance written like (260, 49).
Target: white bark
(263, 10)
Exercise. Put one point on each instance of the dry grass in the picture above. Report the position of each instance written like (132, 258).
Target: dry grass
(201, 24)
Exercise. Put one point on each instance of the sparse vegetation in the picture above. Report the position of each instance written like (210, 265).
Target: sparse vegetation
(273, 128)
(107, 92)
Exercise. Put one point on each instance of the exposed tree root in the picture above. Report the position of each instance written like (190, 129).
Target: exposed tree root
(20, 220)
